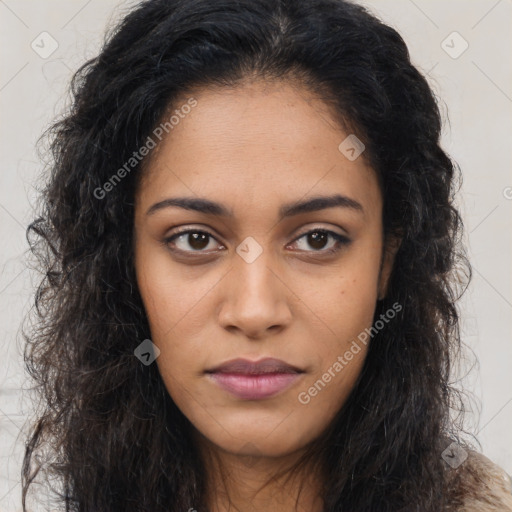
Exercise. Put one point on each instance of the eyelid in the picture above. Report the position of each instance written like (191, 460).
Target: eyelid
(190, 229)
(314, 229)
(184, 231)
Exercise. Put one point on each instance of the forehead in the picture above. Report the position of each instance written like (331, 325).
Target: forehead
(255, 144)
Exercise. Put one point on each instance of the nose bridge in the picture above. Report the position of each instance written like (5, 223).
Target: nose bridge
(255, 279)
(255, 298)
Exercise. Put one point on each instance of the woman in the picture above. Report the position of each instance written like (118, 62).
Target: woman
(251, 253)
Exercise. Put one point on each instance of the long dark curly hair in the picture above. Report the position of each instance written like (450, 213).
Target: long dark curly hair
(107, 435)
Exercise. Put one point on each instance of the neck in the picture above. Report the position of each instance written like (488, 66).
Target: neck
(249, 483)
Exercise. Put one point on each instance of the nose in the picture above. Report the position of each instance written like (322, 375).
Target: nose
(255, 298)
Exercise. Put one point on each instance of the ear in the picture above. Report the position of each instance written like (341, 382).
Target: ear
(391, 246)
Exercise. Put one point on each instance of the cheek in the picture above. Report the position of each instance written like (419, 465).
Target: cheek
(345, 300)
(173, 296)
(340, 355)
(171, 304)
(346, 307)
(357, 293)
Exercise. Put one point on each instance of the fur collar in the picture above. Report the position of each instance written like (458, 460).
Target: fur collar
(479, 485)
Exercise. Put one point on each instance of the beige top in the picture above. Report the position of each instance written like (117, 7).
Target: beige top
(479, 485)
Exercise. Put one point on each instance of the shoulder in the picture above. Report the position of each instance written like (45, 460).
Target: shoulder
(479, 485)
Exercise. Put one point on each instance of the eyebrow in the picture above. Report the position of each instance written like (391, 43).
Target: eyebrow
(208, 207)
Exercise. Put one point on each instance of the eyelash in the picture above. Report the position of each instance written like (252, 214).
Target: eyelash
(341, 241)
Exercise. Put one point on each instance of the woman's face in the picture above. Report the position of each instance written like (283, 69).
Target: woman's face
(245, 280)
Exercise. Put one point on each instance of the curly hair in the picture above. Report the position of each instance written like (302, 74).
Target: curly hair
(107, 430)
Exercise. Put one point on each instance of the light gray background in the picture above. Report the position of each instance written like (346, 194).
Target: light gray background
(476, 92)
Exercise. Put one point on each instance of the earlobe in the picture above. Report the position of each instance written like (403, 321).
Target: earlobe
(388, 257)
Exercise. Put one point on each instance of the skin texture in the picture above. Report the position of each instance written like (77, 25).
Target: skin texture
(254, 148)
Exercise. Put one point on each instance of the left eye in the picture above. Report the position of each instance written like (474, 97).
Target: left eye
(318, 238)
(198, 241)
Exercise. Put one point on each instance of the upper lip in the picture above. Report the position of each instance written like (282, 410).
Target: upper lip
(244, 366)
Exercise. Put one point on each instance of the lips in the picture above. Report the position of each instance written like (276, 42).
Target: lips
(246, 367)
(249, 380)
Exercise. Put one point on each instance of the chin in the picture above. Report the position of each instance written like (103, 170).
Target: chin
(270, 435)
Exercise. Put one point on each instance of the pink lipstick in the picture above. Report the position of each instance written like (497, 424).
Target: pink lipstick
(250, 380)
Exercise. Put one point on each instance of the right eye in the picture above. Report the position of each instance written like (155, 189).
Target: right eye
(189, 241)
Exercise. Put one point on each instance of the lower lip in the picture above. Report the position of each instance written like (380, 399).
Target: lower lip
(255, 387)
